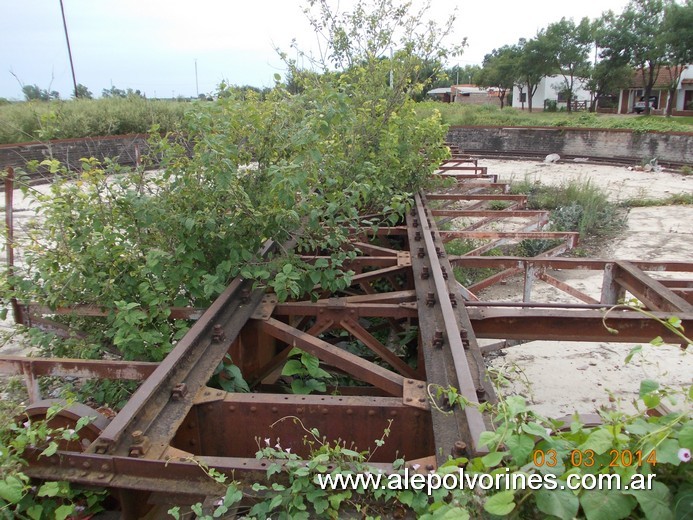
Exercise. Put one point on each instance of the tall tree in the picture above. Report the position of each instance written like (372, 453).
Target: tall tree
(82, 92)
(567, 48)
(678, 39)
(608, 77)
(35, 93)
(534, 63)
(500, 70)
(637, 35)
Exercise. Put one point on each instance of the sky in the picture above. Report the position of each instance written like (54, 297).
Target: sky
(155, 46)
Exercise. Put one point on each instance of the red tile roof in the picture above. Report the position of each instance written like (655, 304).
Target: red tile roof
(663, 78)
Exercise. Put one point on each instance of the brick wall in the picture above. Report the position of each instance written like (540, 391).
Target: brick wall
(619, 144)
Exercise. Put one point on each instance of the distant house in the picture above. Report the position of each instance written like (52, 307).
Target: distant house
(465, 94)
(443, 94)
(472, 95)
(683, 98)
(549, 90)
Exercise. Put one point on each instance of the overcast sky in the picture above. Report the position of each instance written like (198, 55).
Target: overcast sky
(152, 45)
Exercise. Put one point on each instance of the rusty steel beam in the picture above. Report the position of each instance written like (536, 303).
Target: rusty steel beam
(338, 307)
(262, 416)
(388, 297)
(531, 324)
(455, 321)
(648, 290)
(461, 178)
(543, 235)
(481, 169)
(567, 288)
(374, 250)
(82, 368)
(355, 366)
(499, 214)
(359, 262)
(355, 329)
(378, 273)
(522, 199)
(160, 403)
(590, 264)
(176, 477)
(437, 361)
(686, 294)
(676, 284)
(492, 280)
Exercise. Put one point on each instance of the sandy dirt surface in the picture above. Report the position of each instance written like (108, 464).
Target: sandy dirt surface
(578, 376)
(621, 183)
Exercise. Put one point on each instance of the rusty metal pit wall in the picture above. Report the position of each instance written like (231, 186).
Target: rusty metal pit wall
(404, 279)
(236, 425)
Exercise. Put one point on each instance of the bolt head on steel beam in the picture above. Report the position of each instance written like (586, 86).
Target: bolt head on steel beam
(438, 340)
(218, 334)
(179, 392)
(459, 449)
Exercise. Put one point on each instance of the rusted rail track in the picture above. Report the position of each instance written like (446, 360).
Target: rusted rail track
(404, 283)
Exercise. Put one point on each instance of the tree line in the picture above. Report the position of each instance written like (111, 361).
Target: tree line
(647, 37)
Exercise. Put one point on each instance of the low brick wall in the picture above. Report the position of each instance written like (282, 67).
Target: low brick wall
(69, 151)
(619, 144)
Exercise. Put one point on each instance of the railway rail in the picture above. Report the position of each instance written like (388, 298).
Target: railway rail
(405, 286)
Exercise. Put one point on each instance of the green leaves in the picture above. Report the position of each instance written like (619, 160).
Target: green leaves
(500, 504)
(11, 489)
(606, 505)
(599, 441)
(561, 503)
(649, 393)
(308, 376)
(647, 386)
(520, 447)
(655, 502)
(492, 459)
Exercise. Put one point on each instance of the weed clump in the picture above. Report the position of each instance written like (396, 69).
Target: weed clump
(575, 206)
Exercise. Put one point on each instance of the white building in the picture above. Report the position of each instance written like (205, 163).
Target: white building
(548, 90)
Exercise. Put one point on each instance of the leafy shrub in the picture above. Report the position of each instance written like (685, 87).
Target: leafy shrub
(492, 115)
(576, 206)
(284, 166)
(32, 121)
(20, 497)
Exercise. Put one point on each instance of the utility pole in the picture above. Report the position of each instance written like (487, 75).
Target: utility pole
(392, 73)
(197, 87)
(69, 50)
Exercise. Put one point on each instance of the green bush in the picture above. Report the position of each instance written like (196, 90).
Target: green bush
(40, 121)
(492, 115)
(575, 206)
